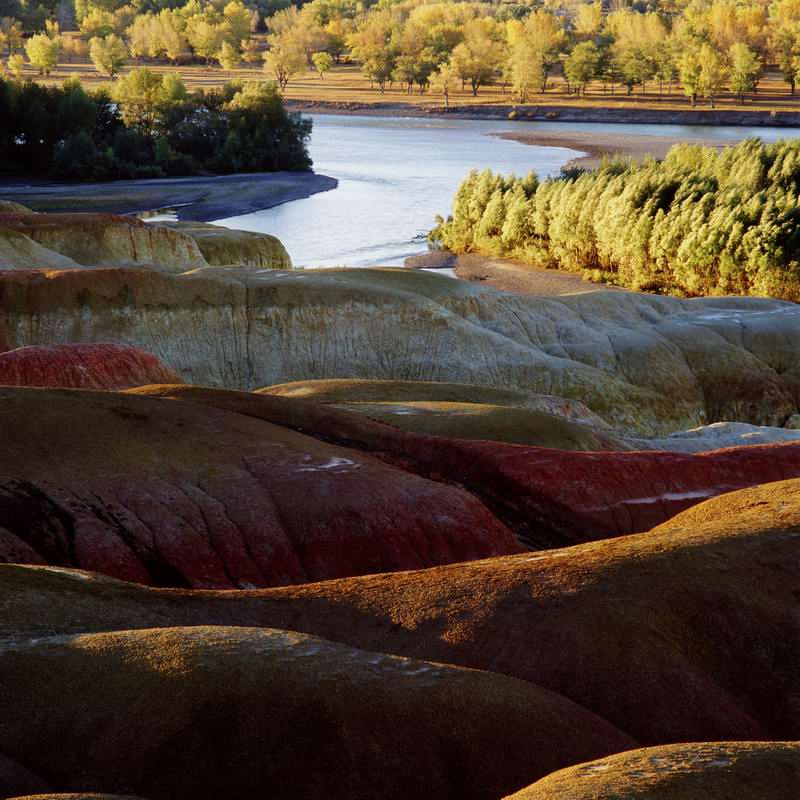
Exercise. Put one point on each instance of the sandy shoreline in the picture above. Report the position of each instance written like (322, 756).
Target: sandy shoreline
(507, 275)
(198, 198)
(598, 145)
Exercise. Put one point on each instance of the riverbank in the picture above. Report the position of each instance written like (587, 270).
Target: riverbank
(198, 198)
(598, 146)
(507, 275)
(555, 113)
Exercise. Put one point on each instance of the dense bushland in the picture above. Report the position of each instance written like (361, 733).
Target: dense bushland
(149, 126)
(701, 222)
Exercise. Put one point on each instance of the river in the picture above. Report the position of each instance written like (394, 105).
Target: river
(395, 174)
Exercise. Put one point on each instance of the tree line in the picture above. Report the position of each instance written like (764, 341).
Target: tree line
(702, 46)
(701, 222)
(147, 126)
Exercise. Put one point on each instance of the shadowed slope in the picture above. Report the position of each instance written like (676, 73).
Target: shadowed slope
(547, 497)
(351, 392)
(185, 495)
(206, 713)
(706, 771)
(15, 778)
(78, 796)
(687, 633)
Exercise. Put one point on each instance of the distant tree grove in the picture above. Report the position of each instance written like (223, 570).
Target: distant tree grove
(701, 46)
(701, 222)
(147, 126)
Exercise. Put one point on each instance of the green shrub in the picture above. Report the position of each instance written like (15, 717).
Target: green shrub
(702, 222)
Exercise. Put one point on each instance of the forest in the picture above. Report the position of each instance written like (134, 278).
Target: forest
(698, 48)
(701, 222)
(148, 126)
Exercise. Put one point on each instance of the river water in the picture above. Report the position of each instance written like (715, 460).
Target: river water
(395, 174)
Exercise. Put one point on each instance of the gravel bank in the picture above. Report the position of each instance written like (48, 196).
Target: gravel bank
(198, 198)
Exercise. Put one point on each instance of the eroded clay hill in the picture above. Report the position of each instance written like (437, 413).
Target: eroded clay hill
(203, 713)
(547, 497)
(646, 364)
(186, 486)
(222, 246)
(687, 633)
(75, 241)
(705, 771)
(105, 239)
(183, 494)
(464, 412)
(82, 366)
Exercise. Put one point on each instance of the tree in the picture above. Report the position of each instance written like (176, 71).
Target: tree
(205, 38)
(16, 64)
(108, 55)
(140, 95)
(144, 37)
(374, 45)
(228, 57)
(634, 68)
(97, 23)
(527, 69)
(322, 63)
(249, 48)
(13, 34)
(712, 73)
(581, 64)
(170, 37)
(589, 19)
(784, 46)
(444, 81)
(479, 56)
(745, 69)
(43, 52)
(239, 21)
(689, 68)
(285, 57)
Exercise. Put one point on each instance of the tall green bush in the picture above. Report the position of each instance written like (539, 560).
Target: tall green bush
(701, 222)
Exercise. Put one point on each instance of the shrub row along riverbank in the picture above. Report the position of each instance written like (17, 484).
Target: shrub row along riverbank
(701, 222)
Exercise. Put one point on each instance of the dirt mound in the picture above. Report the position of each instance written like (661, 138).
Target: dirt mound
(205, 713)
(182, 494)
(705, 771)
(82, 366)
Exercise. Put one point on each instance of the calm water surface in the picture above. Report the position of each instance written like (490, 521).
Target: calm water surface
(396, 174)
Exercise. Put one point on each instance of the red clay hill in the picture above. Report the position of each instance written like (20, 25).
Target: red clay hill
(184, 486)
(82, 366)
